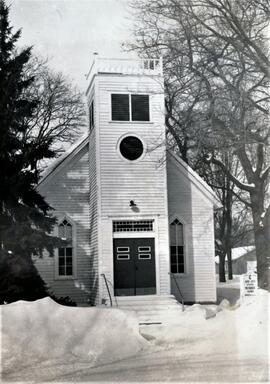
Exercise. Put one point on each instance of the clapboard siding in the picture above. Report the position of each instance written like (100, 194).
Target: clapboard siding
(121, 180)
(106, 257)
(67, 191)
(93, 213)
(187, 202)
(164, 257)
(143, 181)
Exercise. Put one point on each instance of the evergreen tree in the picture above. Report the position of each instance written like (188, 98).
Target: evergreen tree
(25, 220)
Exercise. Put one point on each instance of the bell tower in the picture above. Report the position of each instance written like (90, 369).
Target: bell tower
(128, 179)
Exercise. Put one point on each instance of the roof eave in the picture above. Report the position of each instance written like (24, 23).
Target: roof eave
(197, 180)
(63, 159)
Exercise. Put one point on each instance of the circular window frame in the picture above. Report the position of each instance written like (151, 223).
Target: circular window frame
(119, 152)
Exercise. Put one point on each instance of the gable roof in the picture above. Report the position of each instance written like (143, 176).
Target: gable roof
(181, 164)
(63, 159)
(195, 178)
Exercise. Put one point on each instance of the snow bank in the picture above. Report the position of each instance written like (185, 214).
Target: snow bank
(43, 341)
(41, 330)
(252, 324)
(241, 329)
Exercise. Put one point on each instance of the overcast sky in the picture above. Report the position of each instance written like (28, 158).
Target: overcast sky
(69, 31)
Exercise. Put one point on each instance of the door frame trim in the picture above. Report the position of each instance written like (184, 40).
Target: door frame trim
(153, 234)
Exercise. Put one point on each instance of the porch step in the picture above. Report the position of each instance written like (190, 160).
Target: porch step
(141, 299)
(145, 300)
(144, 297)
(151, 309)
(148, 302)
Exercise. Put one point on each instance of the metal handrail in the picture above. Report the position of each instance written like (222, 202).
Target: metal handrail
(106, 283)
(107, 286)
(116, 303)
(178, 288)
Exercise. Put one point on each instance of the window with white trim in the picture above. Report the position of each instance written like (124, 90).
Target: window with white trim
(177, 247)
(66, 253)
(126, 107)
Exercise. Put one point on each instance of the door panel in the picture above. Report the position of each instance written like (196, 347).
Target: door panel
(124, 272)
(134, 266)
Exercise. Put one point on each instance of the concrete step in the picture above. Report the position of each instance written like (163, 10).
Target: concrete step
(161, 300)
(143, 299)
(162, 318)
(147, 303)
(159, 311)
(134, 302)
(153, 307)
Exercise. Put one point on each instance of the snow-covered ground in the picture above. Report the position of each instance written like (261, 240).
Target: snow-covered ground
(229, 290)
(43, 341)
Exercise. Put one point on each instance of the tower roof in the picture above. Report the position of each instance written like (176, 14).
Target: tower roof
(125, 67)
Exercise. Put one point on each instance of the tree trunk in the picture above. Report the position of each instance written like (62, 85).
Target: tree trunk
(222, 275)
(230, 269)
(261, 238)
(228, 209)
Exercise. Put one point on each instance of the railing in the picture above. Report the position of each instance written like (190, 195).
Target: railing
(107, 282)
(179, 290)
(125, 66)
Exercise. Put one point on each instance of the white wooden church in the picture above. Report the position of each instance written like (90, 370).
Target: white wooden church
(130, 211)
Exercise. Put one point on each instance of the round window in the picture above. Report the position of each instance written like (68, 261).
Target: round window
(131, 148)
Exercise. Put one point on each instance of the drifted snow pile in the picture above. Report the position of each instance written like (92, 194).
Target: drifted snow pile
(241, 329)
(41, 330)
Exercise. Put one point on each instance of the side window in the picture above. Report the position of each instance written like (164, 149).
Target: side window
(66, 253)
(91, 116)
(120, 107)
(177, 247)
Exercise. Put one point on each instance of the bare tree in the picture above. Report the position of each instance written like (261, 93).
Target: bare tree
(59, 116)
(233, 224)
(217, 77)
